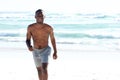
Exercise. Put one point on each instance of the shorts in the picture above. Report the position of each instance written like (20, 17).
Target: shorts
(41, 56)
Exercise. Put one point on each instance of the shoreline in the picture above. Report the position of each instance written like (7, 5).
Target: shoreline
(82, 47)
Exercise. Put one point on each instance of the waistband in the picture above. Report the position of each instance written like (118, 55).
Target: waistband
(42, 48)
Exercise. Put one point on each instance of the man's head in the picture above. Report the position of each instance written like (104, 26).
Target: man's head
(38, 11)
(39, 16)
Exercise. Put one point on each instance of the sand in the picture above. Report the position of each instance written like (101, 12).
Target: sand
(75, 62)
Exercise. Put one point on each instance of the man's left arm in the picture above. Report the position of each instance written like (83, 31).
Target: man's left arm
(53, 44)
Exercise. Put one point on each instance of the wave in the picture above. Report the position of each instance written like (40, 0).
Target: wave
(9, 34)
(61, 18)
(14, 36)
(87, 36)
(69, 32)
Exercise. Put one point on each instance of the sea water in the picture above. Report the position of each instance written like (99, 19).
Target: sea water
(95, 29)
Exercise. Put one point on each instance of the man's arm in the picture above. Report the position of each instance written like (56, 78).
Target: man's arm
(28, 43)
(53, 44)
(28, 39)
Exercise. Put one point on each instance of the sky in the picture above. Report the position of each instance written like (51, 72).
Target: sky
(70, 6)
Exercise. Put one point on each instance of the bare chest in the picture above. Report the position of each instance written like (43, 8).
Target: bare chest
(40, 32)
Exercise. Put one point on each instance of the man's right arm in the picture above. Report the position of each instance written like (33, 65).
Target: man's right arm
(28, 40)
(28, 43)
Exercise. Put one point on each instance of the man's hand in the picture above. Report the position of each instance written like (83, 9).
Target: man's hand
(54, 55)
(30, 48)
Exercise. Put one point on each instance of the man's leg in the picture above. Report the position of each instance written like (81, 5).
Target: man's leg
(39, 69)
(44, 71)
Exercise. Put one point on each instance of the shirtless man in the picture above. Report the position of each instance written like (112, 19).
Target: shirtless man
(40, 33)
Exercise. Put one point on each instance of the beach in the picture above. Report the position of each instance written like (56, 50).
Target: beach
(88, 46)
(75, 62)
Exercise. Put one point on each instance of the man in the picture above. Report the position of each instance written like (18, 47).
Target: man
(40, 33)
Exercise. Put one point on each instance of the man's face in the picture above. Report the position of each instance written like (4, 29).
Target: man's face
(39, 17)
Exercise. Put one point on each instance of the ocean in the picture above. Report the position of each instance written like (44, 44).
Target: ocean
(95, 29)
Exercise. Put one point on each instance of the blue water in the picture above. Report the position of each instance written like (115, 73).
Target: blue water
(86, 29)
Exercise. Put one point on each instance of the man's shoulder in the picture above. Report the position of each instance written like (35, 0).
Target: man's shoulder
(33, 24)
(47, 25)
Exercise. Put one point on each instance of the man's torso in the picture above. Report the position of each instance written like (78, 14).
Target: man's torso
(40, 34)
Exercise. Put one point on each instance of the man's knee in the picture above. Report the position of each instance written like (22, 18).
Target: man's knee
(44, 67)
(39, 69)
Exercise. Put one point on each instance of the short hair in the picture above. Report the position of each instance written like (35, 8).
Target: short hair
(38, 11)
